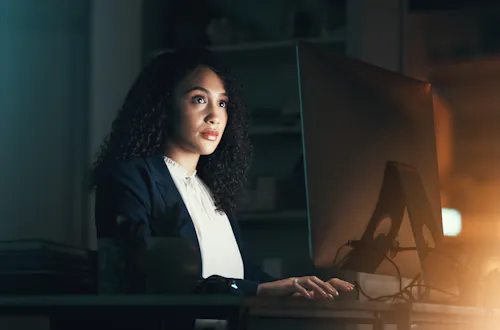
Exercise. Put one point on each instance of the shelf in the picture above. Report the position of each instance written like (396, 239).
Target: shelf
(340, 37)
(282, 216)
(274, 129)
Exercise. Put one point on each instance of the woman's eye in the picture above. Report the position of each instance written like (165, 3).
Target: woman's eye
(223, 104)
(199, 100)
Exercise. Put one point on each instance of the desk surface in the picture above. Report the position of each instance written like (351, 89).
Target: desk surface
(369, 312)
(120, 300)
(233, 307)
(235, 301)
(371, 306)
(123, 306)
(226, 300)
(256, 305)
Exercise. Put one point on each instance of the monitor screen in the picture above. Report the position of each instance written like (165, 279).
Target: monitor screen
(356, 118)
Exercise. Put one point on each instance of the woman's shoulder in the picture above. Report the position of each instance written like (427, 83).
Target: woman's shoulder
(136, 163)
(128, 166)
(131, 168)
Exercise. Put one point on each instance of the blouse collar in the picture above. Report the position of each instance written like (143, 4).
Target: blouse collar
(178, 170)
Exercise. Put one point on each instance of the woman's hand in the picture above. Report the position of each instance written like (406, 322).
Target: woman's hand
(338, 284)
(310, 287)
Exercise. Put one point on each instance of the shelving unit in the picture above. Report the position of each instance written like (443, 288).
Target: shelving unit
(268, 72)
(270, 66)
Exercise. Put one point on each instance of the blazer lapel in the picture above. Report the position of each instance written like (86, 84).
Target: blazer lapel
(177, 221)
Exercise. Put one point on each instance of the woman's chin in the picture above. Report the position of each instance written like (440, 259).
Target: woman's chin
(207, 148)
(207, 152)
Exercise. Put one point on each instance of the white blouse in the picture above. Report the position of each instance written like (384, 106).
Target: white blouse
(220, 253)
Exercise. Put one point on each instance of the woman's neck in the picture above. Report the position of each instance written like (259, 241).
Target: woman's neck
(186, 159)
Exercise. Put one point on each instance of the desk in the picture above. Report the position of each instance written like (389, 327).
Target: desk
(264, 314)
(249, 313)
(156, 312)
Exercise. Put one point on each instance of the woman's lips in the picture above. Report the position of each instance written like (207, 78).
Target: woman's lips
(210, 135)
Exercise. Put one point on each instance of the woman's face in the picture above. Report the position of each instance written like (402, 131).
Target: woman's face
(200, 102)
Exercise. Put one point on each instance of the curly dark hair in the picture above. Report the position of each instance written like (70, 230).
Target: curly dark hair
(143, 123)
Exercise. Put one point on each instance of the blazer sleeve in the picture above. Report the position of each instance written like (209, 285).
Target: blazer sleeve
(123, 203)
(254, 275)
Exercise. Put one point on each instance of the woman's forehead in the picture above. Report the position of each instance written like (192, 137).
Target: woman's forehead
(203, 77)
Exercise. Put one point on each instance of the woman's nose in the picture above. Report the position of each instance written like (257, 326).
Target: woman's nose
(213, 120)
(212, 116)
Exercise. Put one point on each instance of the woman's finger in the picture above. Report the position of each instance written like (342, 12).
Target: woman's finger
(300, 289)
(342, 285)
(319, 291)
(299, 295)
(326, 286)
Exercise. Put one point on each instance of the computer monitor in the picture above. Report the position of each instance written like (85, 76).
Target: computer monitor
(357, 120)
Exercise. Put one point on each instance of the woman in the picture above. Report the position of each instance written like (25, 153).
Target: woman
(181, 136)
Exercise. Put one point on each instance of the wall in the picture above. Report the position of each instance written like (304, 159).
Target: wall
(43, 104)
(43, 124)
(55, 64)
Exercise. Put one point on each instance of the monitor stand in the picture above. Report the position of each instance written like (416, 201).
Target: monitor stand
(403, 189)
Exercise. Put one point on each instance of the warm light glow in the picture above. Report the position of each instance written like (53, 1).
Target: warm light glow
(452, 222)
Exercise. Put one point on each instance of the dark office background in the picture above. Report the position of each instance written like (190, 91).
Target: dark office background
(66, 65)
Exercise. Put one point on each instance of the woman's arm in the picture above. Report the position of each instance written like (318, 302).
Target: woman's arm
(122, 213)
(261, 283)
(123, 202)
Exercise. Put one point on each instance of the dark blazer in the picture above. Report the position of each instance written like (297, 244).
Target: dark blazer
(141, 190)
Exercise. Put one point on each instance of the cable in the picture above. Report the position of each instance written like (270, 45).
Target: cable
(361, 244)
(407, 290)
(403, 249)
(338, 252)
(410, 287)
(379, 298)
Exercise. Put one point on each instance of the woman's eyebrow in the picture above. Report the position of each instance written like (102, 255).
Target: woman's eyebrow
(202, 89)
